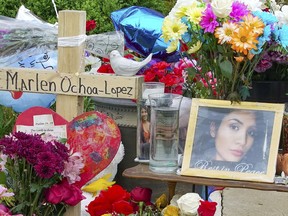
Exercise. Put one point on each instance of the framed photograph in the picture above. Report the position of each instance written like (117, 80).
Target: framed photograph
(237, 141)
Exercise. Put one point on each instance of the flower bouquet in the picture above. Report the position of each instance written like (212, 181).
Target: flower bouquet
(223, 40)
(40, 173)
(189, 204)
(117, 201)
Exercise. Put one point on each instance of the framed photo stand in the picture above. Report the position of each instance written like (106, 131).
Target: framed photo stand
(233, 141)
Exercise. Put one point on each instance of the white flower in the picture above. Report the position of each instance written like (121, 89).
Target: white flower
(253, 5)
(4, 193)
(178, 5)
(282, 15)
(73, 167)
(222, 8)
(189, 204)
(274, 5)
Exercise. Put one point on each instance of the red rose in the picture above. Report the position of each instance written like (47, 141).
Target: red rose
(75, 195)
(90, 25)
(139, 194)
(64, 192)
(122, 207)
(207, 208)
(55, 194)
(99, 206)
(149, 76)
(116, 193)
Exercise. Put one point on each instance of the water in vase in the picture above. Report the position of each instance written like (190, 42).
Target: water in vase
(164, 139)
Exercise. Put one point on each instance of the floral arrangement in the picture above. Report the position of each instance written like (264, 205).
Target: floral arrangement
(156, 71)
(189, 204)
(224, 40)
(117, 201)
(168, 73)
(40, 173)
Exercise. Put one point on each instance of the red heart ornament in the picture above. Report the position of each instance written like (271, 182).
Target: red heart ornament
(26, 117)
(95, 135)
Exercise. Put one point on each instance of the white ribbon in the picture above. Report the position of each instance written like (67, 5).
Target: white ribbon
(72, 41)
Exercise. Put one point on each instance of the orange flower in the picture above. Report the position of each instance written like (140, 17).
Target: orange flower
(239, 58)
(244, 40)
(253, 23)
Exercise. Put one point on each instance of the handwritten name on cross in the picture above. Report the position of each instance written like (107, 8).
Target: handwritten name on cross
(68, 82)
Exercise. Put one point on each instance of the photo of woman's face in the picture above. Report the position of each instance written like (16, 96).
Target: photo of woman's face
(235, 135)
(144, 114)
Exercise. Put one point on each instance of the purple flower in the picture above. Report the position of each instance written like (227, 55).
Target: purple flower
(62, 150)
(46, 156)
(238, 11)
(278, 57)
(263, 65)
(45, 169)
(209, 20)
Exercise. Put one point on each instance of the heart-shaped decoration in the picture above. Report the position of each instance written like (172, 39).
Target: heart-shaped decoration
(98, 138)
(95, 135)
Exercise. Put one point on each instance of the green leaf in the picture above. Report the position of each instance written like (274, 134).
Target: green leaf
(244, 92)
(35, 187)
(226, 69)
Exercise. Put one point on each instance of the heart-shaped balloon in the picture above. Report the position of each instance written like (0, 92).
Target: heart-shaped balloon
(95, 135)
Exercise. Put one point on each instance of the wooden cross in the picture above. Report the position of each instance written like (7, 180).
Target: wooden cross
(69, 82)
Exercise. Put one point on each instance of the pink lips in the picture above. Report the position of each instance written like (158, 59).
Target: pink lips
(237, 153)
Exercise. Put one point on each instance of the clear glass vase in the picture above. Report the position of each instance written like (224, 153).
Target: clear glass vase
(164, 132)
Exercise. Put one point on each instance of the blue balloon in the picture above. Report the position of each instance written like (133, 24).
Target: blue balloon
(46, 60)
(142, 31)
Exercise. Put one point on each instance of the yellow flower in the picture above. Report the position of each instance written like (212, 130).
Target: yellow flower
(98, 185)
(181, 12)
(194, 14)
(224, 33)
(195, 47)
(253, 23)
(171, 210)
(243, 40)
(173, 29)
(173, 46)
(161, 202)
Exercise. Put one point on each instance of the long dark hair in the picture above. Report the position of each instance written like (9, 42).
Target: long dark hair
(204, 141)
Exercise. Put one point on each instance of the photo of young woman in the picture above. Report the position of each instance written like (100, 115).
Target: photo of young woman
(232, 139)
(144, 133)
